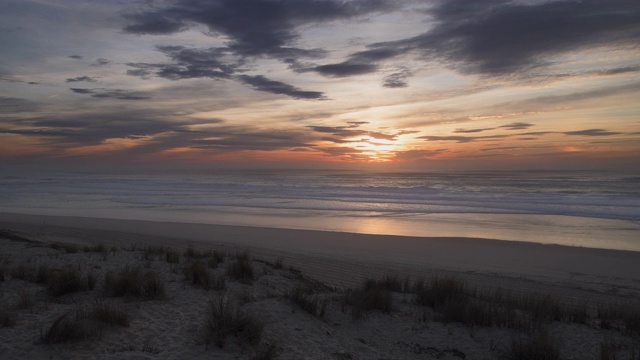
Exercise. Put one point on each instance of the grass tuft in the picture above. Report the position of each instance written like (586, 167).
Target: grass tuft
(373, 295)
(85, 323)
(133, 282)
(172, 256)
(109, 314)
(241, 269)
(7, 318)
(224, 319)
(198, 274)
(67, 281)
(538, 346)
(303, 297)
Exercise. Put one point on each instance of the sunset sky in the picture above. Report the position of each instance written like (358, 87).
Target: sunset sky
(371, 84)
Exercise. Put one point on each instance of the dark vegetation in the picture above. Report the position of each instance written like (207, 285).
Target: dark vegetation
(224, 319)
(134, 282)
(372, 295)
(241, 269)
(85, 323)
(303, 297)
(58, 281)
(199, 274)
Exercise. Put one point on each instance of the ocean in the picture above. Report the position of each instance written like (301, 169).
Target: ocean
(590, 209)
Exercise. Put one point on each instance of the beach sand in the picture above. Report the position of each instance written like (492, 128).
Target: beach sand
(327, 263)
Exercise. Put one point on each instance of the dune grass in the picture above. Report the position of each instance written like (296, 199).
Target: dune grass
(69, 280)
(303, 297)
(85, 323)
(241, 269)
(133, 282)
(223, 319)
(7, 318)
(199, 274)
(372, 295)
(539, 345)
(59, 282)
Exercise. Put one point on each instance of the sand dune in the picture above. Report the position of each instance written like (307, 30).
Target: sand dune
(173, 326)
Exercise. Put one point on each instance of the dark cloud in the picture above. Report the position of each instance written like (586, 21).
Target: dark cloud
(190, 63)
(462, 139)
(344, 69)
(39, 132)
(500, 37)
(94, 128)
(339, 131)
(10, 80)
(254, 28)
(154, 23)
(592, 132)
(397, 79)
(517, 126)
(9, 105)
(82, 91)
(101, 62)
(471, 131)
(235, 139)
(261, 83)
(81, 78)
(76, 57)
(111, 93)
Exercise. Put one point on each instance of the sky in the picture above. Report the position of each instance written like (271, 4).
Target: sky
(388, 85)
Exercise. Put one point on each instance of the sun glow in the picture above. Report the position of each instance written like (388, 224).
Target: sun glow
(378, 150)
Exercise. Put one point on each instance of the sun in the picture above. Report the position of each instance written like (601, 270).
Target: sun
(377, 150)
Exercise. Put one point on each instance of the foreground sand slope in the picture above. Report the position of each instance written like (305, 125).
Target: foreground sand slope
(324, 264)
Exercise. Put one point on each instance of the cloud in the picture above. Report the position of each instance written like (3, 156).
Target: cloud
(254, 28)
(462, 139)
(111, 93)
(517, 126)
(344, 69)
(261, 83)
(154, 23)
(471, 131)
(592, 132)
(75, 57)
(501, 37)
(239, 140)
(9, 105)
(409, 155)
(81, 78)
(101, 62)
(397, 79)
(339, 131)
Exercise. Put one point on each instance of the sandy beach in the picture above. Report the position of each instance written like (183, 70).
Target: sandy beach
(330, 265)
